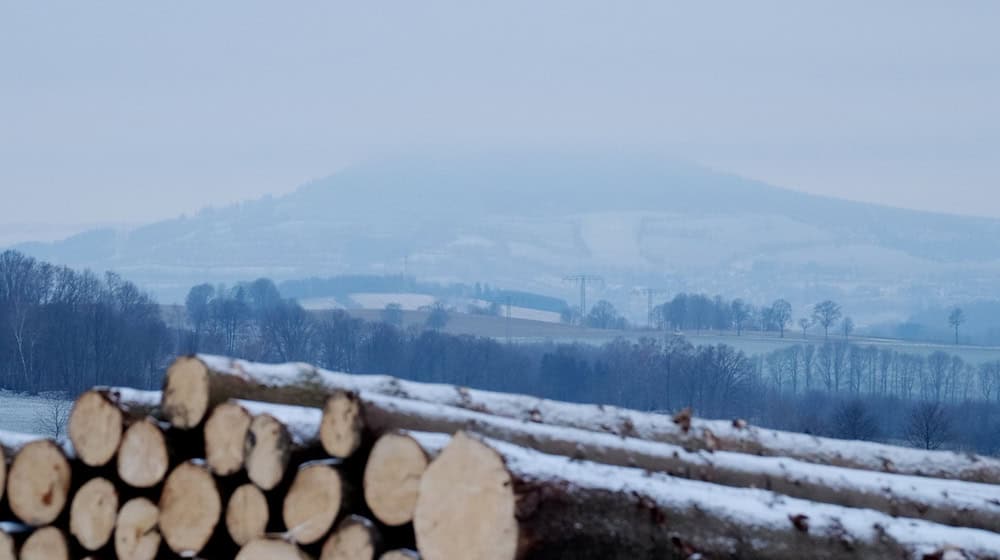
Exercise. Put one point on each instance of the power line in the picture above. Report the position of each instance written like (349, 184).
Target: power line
(582, 280)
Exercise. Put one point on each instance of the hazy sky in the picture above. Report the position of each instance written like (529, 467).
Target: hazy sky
(132, 111)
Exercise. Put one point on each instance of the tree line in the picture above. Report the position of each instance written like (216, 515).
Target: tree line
(66, 330)
(61, 330)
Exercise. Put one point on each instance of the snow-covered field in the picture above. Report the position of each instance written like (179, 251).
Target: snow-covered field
(41, 414)
(410, 302)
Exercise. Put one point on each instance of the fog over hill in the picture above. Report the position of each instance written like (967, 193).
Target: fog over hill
(524, 221)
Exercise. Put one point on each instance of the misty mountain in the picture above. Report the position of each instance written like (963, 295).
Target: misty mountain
(524, 221)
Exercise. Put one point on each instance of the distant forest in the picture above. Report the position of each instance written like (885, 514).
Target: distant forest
(66, 330)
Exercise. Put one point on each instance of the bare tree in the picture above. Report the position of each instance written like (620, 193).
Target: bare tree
(928, 426)
(393, 314)
(848, 326)
(438, 316)
(781, 314)
(955, 319)
(51, 420)
(804, 324)
(852, 420)
(826, 314)
(741, 312)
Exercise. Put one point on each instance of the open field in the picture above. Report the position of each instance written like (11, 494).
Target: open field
(32, 413)
(523, 330)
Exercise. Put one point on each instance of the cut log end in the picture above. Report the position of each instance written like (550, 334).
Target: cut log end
(38, 483)
(401, 554)
(466, 504)
(136, 534)
(95, 428)
(190, 508)
(6, 546)
(312, 503)
(247, 514)
(47, 543)
(3, 471)
(93, 512)
(225, 438)
(392, 478)
(268, 446)
(342, 427)
(143, 459)
(186, 395)
(270, 549)
(356, 538)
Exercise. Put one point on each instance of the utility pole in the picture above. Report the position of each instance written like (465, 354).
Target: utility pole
(508, 320)
(649, 292)
(582, 280)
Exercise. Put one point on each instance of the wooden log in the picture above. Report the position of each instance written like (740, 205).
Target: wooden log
(301, 383)
(392, 478)
(144, 458)
(271, 549)
(400, 554)
(8, 544)
(491, 500)
(355, 538)
(192, 389)
(46, 543)
(137, 536)
(247, 514)
(190, 508)
(38, 482)
(312, 503)
(952, 502)
(93, 513)
(267, 452)
(226, 432)
(95, 427)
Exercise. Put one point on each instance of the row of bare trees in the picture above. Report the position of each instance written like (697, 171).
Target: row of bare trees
(62, 330)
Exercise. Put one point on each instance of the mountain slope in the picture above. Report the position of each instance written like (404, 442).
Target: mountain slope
(526, 220)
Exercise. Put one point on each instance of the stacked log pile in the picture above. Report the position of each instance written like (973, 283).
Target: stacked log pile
(251, 461)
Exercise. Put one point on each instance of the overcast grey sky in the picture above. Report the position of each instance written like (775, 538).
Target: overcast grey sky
(132, 111)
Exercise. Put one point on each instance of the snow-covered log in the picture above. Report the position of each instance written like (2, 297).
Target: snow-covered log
(952, 502)
(304, 384)
(489, 500)
(312, 503)
(392, 477)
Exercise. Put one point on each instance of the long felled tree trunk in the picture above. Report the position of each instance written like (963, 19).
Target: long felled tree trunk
(494, 501)
(951, 502)
(213, 378)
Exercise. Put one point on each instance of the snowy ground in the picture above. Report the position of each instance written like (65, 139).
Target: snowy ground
(41, 414)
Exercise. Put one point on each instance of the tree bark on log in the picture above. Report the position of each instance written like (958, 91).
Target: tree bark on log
(299, 384)
(951, 502)
(355, 538)
(492, 500)
(137, 536)
(93, 513)
(190, 508)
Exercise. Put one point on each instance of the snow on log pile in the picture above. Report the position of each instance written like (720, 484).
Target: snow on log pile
(241, 460)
